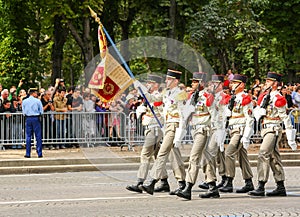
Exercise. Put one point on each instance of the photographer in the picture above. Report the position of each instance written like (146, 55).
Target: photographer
(47, 120)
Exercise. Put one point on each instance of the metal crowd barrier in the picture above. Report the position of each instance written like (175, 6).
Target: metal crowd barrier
(295, 118)
(67, 129)
(88, 129)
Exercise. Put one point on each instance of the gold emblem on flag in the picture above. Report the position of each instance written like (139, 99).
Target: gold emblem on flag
(108, 89)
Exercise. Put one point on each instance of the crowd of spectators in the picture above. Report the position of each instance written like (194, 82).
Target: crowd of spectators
(60, 99)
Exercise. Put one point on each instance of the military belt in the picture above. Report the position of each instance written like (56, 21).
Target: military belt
(231, 127)
(264, 126)
(197, 126)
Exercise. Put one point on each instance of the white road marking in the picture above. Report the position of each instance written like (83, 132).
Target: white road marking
(78, 199)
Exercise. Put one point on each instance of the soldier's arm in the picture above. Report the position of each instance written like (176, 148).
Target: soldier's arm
(280, 104)
(248, 110)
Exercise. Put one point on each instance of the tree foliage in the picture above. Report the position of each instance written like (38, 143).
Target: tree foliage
(42, 40)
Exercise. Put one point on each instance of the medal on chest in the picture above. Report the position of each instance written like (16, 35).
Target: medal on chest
(237, 106)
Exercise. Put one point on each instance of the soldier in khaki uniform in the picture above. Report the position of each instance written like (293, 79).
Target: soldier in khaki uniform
(216, 143)
(201, 102)
(241, 129)
(174, 100)
(153, 132)
(272, 106)
(215, 149)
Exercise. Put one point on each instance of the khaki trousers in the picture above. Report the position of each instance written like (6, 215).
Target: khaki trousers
(219, 162)
(166, 149)
(213, 157)
(235, 148)
(269, 156)
(150, 150)
(199, 137)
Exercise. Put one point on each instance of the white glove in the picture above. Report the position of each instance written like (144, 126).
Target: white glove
(291, 136)
(138, 85)
(220, 136)
(246, 142)
(258, 112)
(163, 129)
(177, 144)
(227, 112)
(248, 132)
(179, 134)
(187, 111)
(139, 110)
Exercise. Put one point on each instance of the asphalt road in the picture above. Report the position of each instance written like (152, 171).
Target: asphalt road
(104, 194)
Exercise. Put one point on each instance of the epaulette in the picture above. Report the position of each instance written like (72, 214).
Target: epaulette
(246, 99)
(280, 101)
(225, 99)
(181, 96)
(209, 99)
(157, 103)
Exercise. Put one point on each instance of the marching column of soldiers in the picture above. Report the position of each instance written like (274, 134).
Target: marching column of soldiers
(212, 115)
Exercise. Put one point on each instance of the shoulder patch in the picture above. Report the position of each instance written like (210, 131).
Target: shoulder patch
(280, 101)
(209, 99)
(246, 99)
(225, 99)
(181, 96)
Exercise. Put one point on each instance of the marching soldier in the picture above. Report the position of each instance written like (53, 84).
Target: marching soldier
(240, 125)
(216, 143)
(272, 106)
(215, 148)
(174, 99)
(153, 133)
(200, 122)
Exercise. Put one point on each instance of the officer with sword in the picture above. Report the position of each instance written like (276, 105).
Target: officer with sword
(153, 132)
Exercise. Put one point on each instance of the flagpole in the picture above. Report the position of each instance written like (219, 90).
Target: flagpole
(97, 19)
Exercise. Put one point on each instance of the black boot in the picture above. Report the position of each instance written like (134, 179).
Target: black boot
(135, 188)
(278, 191)
(149, 188)
(213, 191)
(222, 182)
(164, 187)
(248, 187)
(186, 192)
(203, 185)
(227, 187)
(181, 186)
(260, 191)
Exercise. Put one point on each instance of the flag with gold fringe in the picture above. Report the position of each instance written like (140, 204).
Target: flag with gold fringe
(98, 78)
(116, 82)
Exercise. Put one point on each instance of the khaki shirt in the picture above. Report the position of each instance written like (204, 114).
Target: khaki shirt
(174, 101)
(59, 105)
(203, 109)
(276, 111)
(218, 118)
(242, 112)
(155, 101)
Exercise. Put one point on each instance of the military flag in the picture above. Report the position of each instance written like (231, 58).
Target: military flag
(98, 78)
(116, 82)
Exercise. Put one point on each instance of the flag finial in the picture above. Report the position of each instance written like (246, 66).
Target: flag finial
(94, 15)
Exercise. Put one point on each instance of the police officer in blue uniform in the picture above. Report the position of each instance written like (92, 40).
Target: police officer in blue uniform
(32, 109)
